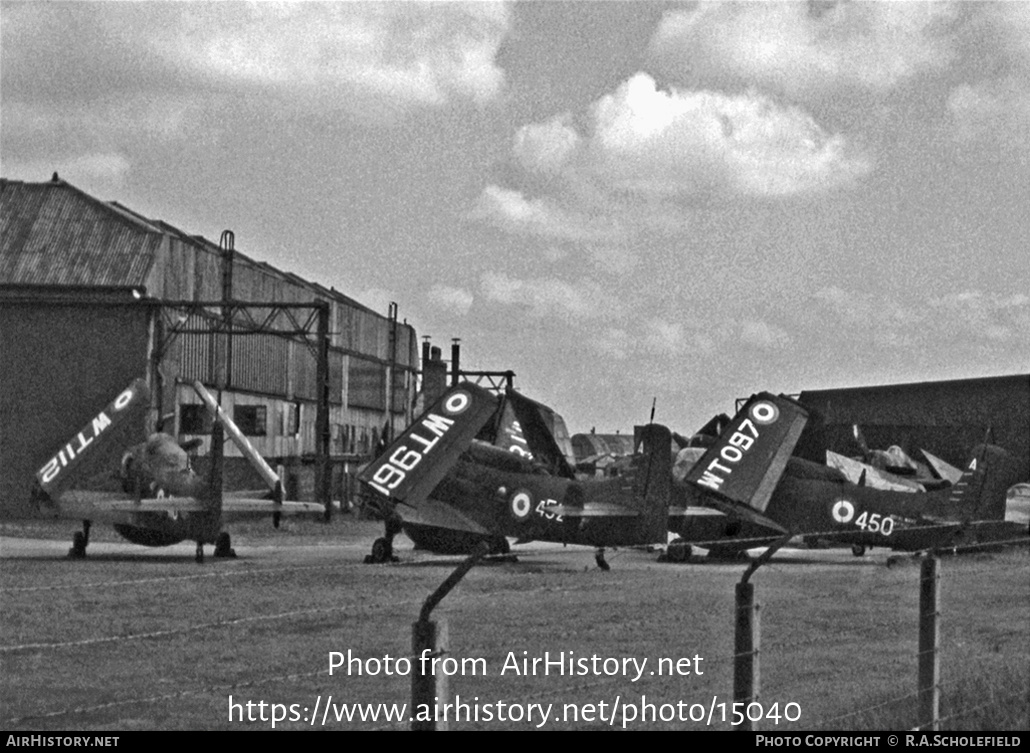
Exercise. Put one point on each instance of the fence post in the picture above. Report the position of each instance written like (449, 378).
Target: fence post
(745, 659)
(429, 689)
(429, 639)
(929, 644)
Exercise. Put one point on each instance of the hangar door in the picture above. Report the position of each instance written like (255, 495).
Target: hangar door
(60, 363)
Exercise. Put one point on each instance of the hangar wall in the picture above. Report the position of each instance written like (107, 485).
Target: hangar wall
(56, 240)
(44, 390)
(946, 418)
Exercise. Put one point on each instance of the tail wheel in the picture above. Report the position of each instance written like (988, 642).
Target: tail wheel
(858, 549)
(78, 550)
(223, 546)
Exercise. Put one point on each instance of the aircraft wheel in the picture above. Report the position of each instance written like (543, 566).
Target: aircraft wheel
(500, 545)
(679, 551)
(380, 551)
(601, 561)
(223, 546)
(199, 556)
(78, 550)
(858, 549)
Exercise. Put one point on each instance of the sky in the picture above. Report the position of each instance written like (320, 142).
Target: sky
(625, 203)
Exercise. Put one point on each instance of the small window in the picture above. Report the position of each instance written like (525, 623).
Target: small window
(194, 419)
(252, 420)
(291, 419)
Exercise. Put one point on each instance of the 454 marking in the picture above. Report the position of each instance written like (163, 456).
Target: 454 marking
(542, 511)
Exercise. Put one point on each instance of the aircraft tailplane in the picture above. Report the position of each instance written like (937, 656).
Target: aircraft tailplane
(86, 452)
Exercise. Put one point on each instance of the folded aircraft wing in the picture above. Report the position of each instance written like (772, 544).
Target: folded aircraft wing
(414, 463)
(441, 515)
(536, 424)
(246, 448)
(743, 467)
(88, 450)
(943, 469)
(863, 474)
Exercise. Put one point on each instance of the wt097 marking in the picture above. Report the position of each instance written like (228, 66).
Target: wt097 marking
(733, 452)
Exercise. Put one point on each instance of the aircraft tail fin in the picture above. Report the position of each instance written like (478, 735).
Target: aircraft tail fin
(86, 452)
(652, 484)
(981, 491)
(741, 470)
(419, 458)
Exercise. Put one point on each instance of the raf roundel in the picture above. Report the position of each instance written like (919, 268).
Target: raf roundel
(764, 412)
(457, 403)
(521, 505)
(843, 511)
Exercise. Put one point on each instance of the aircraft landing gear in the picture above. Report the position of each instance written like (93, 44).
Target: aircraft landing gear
(199, 556)
(382, 548)
(79, 542)
(223, 547)
(601, 561)
(677, 551)
(858, 549)
(500, 550)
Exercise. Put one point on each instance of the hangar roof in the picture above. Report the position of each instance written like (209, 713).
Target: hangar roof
(54, 234)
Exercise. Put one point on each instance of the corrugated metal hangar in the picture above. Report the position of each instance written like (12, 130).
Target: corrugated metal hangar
(946, 418)
(93, 295)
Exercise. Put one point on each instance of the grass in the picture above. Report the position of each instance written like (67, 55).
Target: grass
(134, 638)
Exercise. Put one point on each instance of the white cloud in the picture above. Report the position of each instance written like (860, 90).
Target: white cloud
(649, 142)
(546, 297)
(970, 316)
(1003, 319)
(512, 211)
(686, 142)
(454, 300)
(764, 335)
(806, 49)
(992, 111)
(666, 339)
(405, 53)
(545, 147)
(612, 343)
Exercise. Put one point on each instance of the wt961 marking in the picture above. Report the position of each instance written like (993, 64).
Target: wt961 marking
(406, 457)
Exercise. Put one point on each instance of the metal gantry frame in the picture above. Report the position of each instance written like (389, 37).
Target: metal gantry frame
(495, 381)
(308, 322)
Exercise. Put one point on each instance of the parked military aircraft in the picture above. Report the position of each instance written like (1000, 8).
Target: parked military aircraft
(477, 466)
(157, 499)
(749, 474)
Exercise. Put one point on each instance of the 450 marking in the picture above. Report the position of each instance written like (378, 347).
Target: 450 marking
(844, 511)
